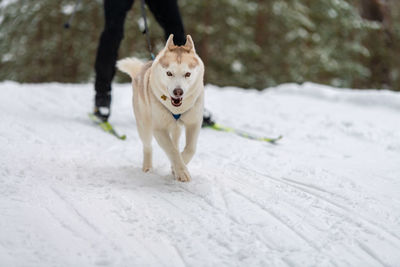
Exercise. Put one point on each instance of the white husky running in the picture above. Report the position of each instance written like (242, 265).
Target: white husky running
(167, 93)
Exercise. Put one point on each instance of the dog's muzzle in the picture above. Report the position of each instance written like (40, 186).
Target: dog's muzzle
(176, 102)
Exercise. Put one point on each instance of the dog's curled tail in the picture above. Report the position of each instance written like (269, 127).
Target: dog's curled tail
(130, 65)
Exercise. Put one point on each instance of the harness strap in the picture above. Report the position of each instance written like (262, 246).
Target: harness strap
(67, 24)
(146, 29)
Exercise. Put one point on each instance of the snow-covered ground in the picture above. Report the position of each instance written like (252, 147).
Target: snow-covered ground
(327, 195)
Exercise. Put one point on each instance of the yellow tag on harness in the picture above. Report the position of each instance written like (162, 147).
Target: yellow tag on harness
(164, 97)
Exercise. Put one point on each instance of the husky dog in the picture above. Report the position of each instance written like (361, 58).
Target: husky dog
(168, 93)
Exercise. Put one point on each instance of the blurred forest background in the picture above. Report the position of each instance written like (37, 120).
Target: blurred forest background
(245, 43)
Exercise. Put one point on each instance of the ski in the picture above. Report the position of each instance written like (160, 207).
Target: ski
(219, 127)
(106, 126)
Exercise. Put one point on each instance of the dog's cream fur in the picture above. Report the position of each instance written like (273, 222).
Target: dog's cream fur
(153, 92)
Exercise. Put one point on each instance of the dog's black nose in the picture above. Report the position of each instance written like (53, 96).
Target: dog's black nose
(178, 92)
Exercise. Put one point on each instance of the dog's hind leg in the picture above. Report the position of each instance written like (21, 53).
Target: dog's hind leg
(166, 143)
(147, 157)
(145, 135)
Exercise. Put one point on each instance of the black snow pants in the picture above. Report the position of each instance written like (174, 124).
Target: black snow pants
(166, 13)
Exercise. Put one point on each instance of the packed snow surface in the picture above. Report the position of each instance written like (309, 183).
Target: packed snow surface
(327, 195)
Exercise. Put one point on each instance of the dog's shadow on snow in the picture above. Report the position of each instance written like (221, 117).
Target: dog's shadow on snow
(158, 180)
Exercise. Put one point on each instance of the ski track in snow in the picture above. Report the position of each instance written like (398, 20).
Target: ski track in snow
(327, 195)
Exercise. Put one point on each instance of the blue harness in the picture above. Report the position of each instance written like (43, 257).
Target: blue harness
(176, 116)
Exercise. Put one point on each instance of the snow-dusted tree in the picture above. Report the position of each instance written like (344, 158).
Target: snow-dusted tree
(255, 43)
(262, 43)
(37, 48)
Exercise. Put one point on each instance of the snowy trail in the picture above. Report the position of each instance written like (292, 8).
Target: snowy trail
(327, 195)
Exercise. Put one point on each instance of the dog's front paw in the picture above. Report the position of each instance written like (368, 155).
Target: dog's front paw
(182, 175)
(173, 170)
(146, 167)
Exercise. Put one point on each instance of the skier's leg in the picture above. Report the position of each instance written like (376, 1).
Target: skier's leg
(167, 15)
(107, 52)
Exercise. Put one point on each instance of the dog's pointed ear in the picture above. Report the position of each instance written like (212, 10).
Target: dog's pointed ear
(189, 43)
(170, 42)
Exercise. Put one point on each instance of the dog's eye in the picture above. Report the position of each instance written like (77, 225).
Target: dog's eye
(187, 74)
(169, 73)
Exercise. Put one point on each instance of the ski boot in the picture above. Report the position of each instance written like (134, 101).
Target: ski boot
(102, 106)
(207, 119)
(102, 113)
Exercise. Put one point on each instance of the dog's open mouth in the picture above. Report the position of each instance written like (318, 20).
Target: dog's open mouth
(176, 102)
